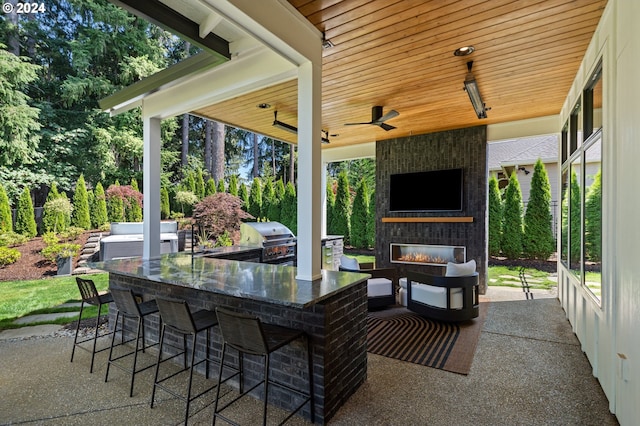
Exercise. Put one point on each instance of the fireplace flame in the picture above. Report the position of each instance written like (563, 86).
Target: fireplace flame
(422, 258)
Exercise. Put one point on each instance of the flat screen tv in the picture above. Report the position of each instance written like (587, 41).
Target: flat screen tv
(435, 190)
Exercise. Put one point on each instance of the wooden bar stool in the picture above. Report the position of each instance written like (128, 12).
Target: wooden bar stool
(90, 296)
(128, 307)
(177, 316)
(248, 335)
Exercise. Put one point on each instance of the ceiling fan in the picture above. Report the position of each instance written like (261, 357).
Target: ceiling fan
(377, 119)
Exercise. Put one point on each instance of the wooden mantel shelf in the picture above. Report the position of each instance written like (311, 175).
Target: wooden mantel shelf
(457, 219)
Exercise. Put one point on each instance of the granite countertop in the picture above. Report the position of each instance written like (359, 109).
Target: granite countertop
(258, 281)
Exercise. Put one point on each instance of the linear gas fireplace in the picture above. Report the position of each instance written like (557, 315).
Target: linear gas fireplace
(421, 254)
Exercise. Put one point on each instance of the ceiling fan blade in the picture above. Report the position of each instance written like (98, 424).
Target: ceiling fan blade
(386, 126)
(388, 116)
(356, 124)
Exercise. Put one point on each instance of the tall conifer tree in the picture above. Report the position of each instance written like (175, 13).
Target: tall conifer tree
(80, 216)
(6, 221)
(99, 216)
(538, 241)
(495, 217)
(512, 220)
(25, 218)
(359, 216)
(342, 211)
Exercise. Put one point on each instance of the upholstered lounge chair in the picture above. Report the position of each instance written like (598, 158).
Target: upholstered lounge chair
(380, 287)
(453, 297)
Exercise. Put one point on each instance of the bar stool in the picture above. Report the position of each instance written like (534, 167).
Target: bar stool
(248, 335)
(90, 296)
(176, 315)
(128, 307)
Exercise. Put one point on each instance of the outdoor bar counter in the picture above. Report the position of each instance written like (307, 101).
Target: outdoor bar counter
(332, 311)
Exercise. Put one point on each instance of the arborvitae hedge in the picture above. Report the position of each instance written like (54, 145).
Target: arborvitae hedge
(221, 186)
(115, 208)
(538, 241)
(495, 217)
(133, 210)
(255, 199)
(359, 216)
(331, 205)
(25, 218)
(342, 211)
(289, 215)
(274, 212)
(233, 185)
(50, 221)
(80, 216)
(244, 196)
(512, 220)
(268, 198)
(200, 192)
(99, 215)
(210, 187)
(575, 200)
(593, 219)
(371, 221)
(6, 222)
(165, 207)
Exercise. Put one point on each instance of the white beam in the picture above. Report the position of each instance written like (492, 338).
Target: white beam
(548, 125)
(151, 185)
(244, 74)
(209, 23)
(351, 152)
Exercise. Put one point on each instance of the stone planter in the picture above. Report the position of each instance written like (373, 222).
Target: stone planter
(65, 265)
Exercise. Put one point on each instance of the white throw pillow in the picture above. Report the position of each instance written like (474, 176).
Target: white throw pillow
(460, 269)
(349, 263)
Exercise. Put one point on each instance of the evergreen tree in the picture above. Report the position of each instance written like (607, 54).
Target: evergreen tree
(25, 218)
(115, 207)
(359, 216)
(165, 209)
(200, 192)
(133, 210)
(275, 209)
(268, 198)
(512, 220)
(99, 216)
(575, 200)
(6, 221)
(342, 211)
(221, 185)
(289, 214)
(495, 217)
(593, 219)
(80, 216)
(331, 203)
(50, 219)
(538, 241)
(190, 182)
(280, 190)
(371, 221)
(210, 188)
(255, 199)
(244, 196)
(233, 185)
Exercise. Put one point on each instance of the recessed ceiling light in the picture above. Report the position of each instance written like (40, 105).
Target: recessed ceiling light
(264, 106)
(464, 51)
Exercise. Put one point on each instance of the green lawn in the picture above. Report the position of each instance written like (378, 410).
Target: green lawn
(20, 298)
(509, 276)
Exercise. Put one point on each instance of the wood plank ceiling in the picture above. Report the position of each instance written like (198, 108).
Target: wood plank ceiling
(399, 54)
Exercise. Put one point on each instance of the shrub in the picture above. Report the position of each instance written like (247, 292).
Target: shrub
(54, 248)
(268, 199)
(331, 202)
(289, 214)
(221, 185)
(219, 213)
(371, 221)
(186, 199)
(495, 217)
(57, 209)
(133, 209)
(243, 194)
(11, 239)
(165, 209)
(358, 220)
(210, 187)
(342, 211)
(538, 241)
(8, 256)
(255, 198)
(6, 221)
(233, 185)
(199, 178)
(25, 218)
(512, 220)
(121, 198)
(593, 219)
(80, 215)
(99, 214)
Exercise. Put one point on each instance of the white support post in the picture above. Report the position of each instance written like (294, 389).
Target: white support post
(151, 186)
(323, 198)
(309, 176)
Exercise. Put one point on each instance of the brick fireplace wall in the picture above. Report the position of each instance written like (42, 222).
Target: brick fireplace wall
(461, 148)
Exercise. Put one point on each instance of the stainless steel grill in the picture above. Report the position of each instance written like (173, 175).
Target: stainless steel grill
(276, 240)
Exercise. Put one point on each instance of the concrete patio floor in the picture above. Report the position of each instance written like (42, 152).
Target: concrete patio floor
(528, 370)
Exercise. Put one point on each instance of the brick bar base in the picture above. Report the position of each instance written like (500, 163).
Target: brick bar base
(337, 328)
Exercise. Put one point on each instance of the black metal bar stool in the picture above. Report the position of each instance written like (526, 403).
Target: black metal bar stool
(248, 335)
(177, 316)
(128, 307)
(90, 296)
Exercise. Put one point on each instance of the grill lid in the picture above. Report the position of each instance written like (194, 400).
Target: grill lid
(261, 233)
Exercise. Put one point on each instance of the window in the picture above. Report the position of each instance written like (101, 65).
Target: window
(581, 219)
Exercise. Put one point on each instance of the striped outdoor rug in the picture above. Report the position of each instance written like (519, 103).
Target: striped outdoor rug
(401, 334)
